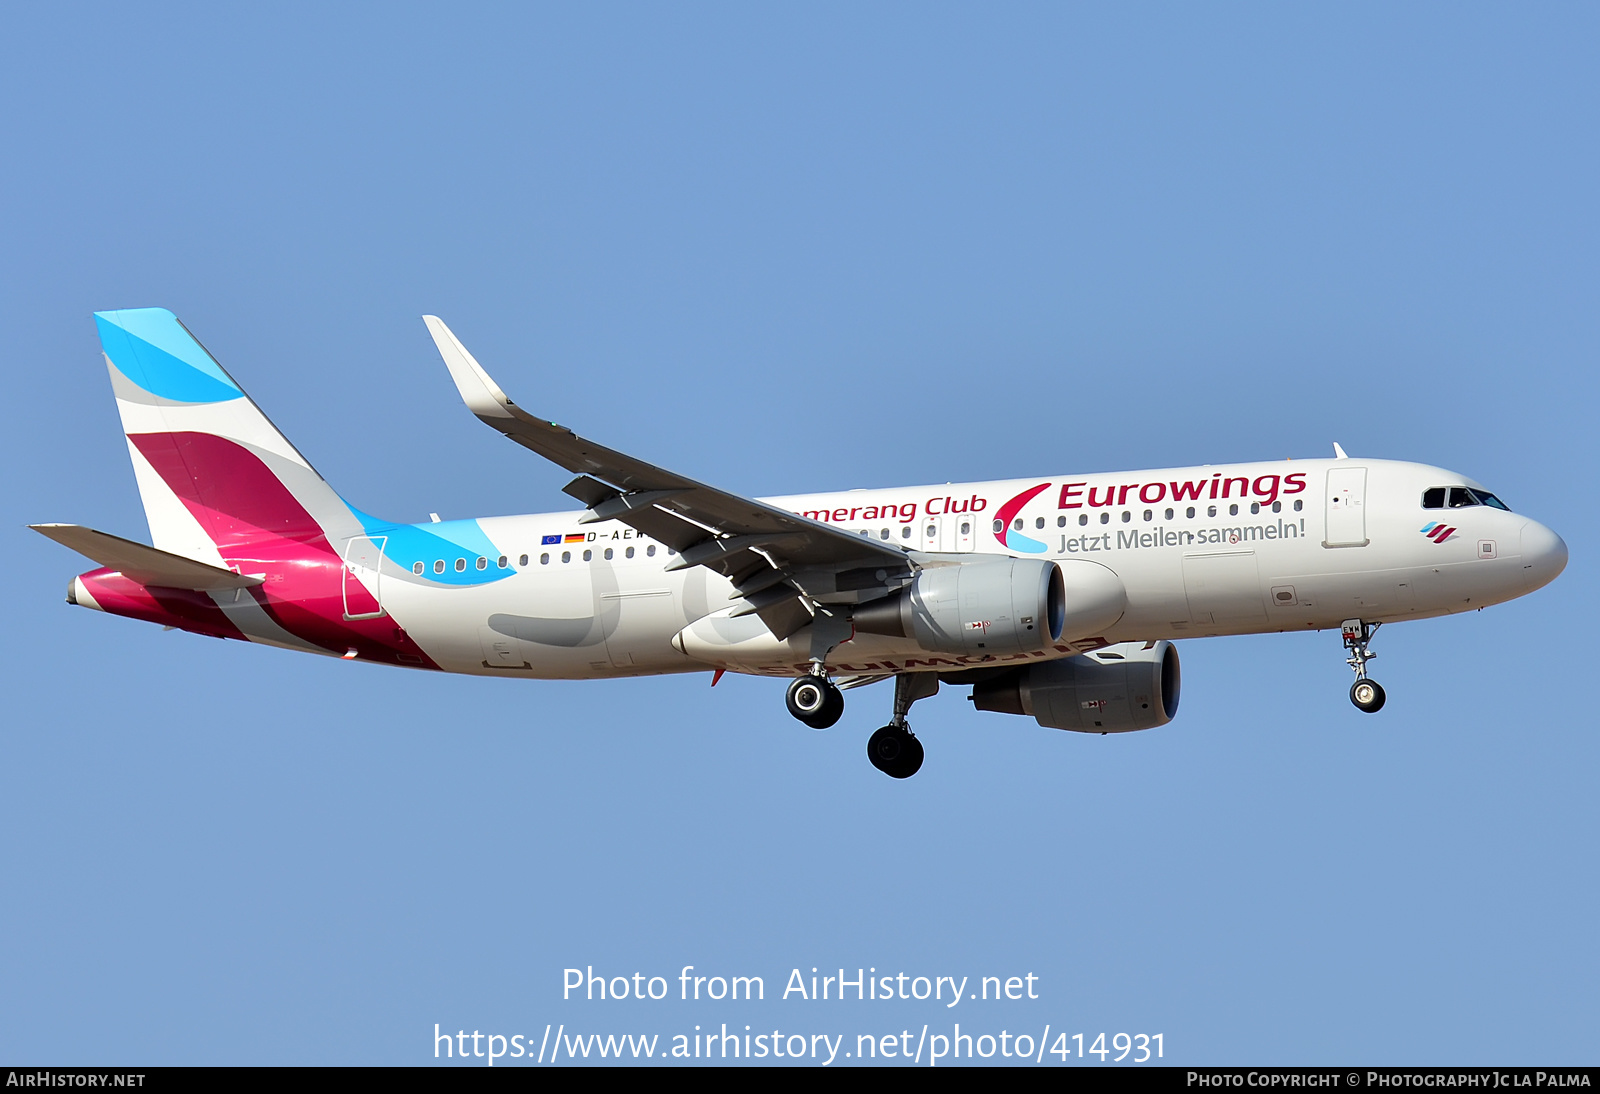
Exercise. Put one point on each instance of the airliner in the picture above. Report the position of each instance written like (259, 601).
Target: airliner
(1057, 598)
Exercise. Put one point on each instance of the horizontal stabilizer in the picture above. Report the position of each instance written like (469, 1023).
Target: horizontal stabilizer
(146, 565)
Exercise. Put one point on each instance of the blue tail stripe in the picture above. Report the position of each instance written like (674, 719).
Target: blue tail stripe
(150, 347)
(449, 540)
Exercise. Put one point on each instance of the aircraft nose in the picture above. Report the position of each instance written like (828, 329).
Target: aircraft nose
(1544, 554)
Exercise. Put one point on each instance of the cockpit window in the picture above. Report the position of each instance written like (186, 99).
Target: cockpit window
(1459, 497)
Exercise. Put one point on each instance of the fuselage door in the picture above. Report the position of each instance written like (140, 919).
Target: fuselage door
(363, 570)
(1347, 507)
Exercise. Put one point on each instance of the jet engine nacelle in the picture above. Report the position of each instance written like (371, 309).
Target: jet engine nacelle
(1002, 605)
(1113, 690)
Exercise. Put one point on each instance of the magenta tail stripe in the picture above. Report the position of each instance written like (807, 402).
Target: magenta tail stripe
(226, 486)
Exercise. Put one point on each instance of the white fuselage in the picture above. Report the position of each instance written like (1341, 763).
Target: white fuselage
(1246, 548)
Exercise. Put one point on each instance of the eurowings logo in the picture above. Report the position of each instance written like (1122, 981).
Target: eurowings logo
(1439, 533)
(1010, 537)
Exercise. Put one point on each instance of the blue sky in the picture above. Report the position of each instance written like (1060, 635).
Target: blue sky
(784, 250)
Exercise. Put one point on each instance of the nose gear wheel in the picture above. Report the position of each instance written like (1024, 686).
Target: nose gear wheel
(1367, 695)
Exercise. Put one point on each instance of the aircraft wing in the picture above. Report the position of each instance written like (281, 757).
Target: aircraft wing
(144, 564)
(778, 560)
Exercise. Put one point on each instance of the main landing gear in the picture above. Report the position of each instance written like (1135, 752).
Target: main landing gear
(1366, 694)
(894, 749)
(815, 701)
(813, 698)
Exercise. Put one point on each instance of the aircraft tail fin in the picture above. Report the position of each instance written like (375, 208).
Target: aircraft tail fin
(213, 472)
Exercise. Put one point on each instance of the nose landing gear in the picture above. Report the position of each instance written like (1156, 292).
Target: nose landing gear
(1367, 695)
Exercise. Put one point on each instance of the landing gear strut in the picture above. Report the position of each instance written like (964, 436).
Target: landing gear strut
(813, 698)
(894, 749)
(1366, 694)
(815, 701)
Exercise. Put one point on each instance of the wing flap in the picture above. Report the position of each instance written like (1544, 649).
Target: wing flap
(144, 564)
(785, 619)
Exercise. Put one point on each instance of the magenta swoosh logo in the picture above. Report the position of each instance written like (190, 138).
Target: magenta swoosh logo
(1008, 536)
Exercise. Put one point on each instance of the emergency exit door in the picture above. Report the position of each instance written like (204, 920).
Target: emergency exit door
(1346, 507)
(363, 569)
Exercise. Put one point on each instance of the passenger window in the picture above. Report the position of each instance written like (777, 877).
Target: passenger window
(966, 528)
(1277, 507)
(905, 533)
(1461, 497)
(544, 559)
(608, 554)
(1038, 522)
(998, 527)
(1255, 507)
(651, 550)
(438, 566)
(1433, 498)
(884, 534)
(588, 555)
(566, 556)
(1105, 518)
(417, 568)
(1126, 516)
(1298, 505)
(461, 565)
(1083, 518)
(483, 563)
(1169, 515)
(1061, 522)
(1233, 510)
(628, 553)
(502, 562)
(1189, 512)
(1149, 515)
(523, 561)
(932, 531)
(1211, 510)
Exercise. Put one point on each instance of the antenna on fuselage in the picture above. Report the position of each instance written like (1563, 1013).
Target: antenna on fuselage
(1338, 453)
